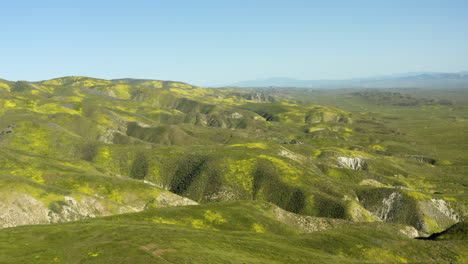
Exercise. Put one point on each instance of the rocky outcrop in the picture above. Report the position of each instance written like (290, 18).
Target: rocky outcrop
(18, 208)
(391, 205)
(224, 194)
(445, 209)
(409, 231)
(291, 155)
(236, 115)
(441, 214)
(24, 209)
(309, 224)
(400, 206)
(388, 205)
(352, 163)
(169, 199)
(70, 209)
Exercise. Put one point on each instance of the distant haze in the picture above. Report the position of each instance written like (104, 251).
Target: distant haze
(390, 81)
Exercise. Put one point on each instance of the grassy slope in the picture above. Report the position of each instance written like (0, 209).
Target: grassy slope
(65, 129)
(81, 137)
(436, 131)
(156, 237)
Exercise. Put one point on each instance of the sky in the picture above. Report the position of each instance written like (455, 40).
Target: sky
(219, 42)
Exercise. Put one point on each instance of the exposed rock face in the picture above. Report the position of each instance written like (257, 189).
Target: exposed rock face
(445, 209)
(309, 224)
(352, 163)
(388, 204)
(21, 210)
(397, 206)
(88, 207)
(391, 205)
(410, 232)
(170, 199)
(291, 155)
(440, 212)
(224, 194)
(236, 115)
(24, 209)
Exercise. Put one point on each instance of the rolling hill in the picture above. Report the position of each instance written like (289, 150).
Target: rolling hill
(169, 172)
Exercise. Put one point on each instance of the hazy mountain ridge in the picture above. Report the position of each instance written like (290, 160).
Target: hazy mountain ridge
(391, 81)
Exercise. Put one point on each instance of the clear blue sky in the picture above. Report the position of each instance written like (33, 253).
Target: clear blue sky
(208, 42)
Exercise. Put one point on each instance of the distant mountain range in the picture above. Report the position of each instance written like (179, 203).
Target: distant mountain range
(424, 79)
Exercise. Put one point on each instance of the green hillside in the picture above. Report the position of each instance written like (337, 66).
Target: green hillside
(227, 232)
(363, 162)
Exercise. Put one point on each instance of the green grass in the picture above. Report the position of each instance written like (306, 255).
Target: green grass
(86, 137)
(132, 238)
